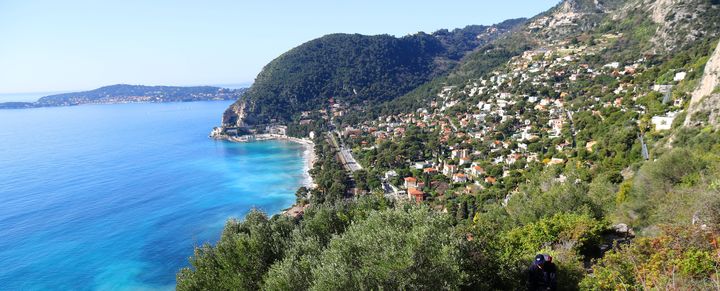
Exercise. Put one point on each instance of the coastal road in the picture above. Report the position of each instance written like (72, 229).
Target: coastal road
(344, 154)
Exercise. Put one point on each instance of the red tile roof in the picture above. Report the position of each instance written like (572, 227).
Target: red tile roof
(415, 192)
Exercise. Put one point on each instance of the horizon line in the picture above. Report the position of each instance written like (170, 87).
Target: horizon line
(220, 85)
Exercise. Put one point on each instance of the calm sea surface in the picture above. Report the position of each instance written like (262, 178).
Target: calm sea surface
(116, 196)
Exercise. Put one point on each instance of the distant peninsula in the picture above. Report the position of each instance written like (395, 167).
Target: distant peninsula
(123, 93)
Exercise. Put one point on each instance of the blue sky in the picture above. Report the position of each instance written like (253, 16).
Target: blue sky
(76, 45)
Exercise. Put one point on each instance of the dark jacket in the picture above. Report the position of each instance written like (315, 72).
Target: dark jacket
(542, 278)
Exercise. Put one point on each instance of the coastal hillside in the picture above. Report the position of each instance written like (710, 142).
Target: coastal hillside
(353, 69)
(588, 133)
(629, 29)
(129, 94)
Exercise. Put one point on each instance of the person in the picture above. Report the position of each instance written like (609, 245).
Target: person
(542, 274)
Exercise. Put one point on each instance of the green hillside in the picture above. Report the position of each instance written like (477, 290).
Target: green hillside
(355, 69)
(589, 133)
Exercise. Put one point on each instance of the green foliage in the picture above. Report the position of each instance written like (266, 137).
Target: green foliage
(271, 253)
(678, 259)
(566, 236)
(491, 56)
(350, 67)
(357, 69)
(544, 195)
(294, 271)
(392, 250)
(328, 174)
(582, 231)
(663, 190)
(242, 256)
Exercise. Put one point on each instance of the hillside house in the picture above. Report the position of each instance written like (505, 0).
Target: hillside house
(410, 182)
(664, 122)
(459, 178)
(416, 195)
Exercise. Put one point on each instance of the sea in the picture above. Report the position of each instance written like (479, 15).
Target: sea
(115, 197)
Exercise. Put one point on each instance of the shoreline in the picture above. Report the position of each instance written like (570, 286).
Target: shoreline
(308, 145)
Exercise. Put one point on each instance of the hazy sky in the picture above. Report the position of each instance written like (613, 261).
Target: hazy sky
(73, 45)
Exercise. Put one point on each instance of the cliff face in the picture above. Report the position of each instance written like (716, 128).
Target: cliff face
(704, 105)
(234, 116)
(681, 22)
(571, 17)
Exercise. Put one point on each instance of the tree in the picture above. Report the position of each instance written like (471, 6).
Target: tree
(391, 250)
(241, 257)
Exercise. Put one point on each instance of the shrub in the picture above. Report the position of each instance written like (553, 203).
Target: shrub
(568, 236)
(681, 258)
(391, 250)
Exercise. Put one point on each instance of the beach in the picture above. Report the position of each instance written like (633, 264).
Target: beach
(310, 158)
(308, 150)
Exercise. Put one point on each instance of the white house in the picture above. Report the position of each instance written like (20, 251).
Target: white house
(449, 169)
(680, 76)
(390, 174)
(664, 122)
(459, 178)
(477, 171)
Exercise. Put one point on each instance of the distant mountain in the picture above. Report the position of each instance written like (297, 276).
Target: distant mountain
(131, 94)
(354, 69)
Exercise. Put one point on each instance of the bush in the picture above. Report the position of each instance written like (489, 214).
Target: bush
(241, 257)
(680, 258)
(392, 250)
(543, 196)
(660, 185)
(568, 236)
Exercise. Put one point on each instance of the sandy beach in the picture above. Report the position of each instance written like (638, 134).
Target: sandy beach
(310, 158)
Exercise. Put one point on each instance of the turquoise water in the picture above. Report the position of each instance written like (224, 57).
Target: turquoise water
(116, 196)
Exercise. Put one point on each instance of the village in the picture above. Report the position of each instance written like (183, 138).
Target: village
(494, 128)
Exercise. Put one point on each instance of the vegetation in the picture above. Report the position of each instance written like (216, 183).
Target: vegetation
(357, 69)
(605, 191)
(677, 259)
(369, 244)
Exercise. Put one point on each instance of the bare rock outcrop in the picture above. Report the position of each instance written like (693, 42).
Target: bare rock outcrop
(704, 105)
(235, 115)
(680, 22)
(570, 17)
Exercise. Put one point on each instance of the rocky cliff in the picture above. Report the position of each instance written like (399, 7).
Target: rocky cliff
(705, 106)
(681, 22)
(570, 17)
(234, 116)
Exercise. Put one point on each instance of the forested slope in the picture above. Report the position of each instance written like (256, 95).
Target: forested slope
(566, 137)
